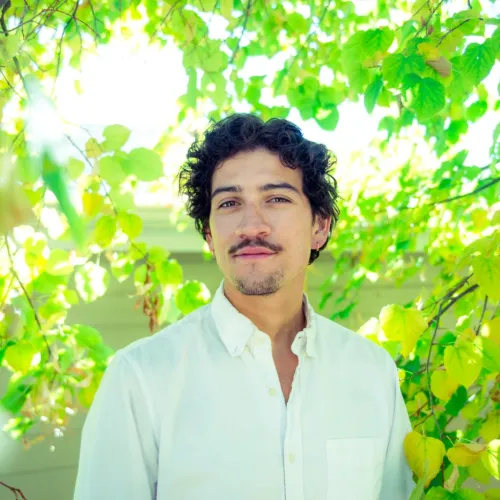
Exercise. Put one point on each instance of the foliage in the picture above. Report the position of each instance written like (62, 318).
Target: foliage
(423, 63)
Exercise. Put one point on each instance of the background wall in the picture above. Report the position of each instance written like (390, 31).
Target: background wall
(47, 471)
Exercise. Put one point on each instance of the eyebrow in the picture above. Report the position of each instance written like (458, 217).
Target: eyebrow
(265, 187)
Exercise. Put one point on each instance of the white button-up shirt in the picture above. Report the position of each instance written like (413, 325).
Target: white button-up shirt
(196, 412)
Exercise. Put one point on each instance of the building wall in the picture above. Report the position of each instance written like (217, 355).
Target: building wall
(43, 474)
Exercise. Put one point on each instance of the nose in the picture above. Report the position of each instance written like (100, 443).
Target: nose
(253, 223)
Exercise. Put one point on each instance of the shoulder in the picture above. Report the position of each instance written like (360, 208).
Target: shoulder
(170, 343)
(337, 339)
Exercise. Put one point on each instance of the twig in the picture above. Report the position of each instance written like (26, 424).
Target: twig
(431, 402)
(450, 293)
(478, 327)
(429, 18)
(247, 14)
(493, 181)
(28, 298)
(455, 28)
(16, 491)
(59, 51)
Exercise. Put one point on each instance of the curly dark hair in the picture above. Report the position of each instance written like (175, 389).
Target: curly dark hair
(245, 132)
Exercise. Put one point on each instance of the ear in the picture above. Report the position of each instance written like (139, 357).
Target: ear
(209, 240)
(321, 228)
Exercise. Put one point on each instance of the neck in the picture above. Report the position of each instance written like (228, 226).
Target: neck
(281, 315)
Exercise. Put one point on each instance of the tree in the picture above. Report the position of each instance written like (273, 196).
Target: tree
(421, 62)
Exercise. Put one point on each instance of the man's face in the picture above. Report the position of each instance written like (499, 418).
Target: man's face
(261, 226)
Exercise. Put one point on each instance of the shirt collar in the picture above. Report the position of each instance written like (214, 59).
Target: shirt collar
(235, 329)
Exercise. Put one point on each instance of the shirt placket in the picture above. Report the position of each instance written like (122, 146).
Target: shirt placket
(294, 480)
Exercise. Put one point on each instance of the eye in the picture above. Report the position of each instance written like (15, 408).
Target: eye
(280, 198)
(226, 203)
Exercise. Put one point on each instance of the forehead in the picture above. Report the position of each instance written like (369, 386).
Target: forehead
(254, 168)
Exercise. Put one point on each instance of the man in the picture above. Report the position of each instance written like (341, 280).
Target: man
(255, 396)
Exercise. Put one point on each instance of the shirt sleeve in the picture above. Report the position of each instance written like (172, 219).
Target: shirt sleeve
(118, 452)
(397, 480)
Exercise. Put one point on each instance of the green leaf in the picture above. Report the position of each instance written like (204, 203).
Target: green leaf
(111, 170)
(145, 164)
(105, 230)
(169, 272)
(327, 119)
(15, 396)
(115, 137)
(131, 224)
(58, 263)
(91, 339)
(476, 110)
(372, 92)
(396, 66)
(428, 98)
(440, 493)
(377, 40)
(297, 23)
(191, 296)
(20, 356)
(477, 61)
(75, 168)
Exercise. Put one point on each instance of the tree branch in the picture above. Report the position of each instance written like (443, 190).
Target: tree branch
(485, 186)
(16, 491)
(478, 327)
(247, 14)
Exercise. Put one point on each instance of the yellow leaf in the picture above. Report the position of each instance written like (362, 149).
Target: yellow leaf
(491, 329)
(478, 472)
(419, 451)
(92, 203)
(464, 454)
(421, 8)
(463, 362)
(490, 458)
(405, 325)
(487, 271)
(93, 149)
(442, 385)
(490, 430)
(428, 51)
(227, 9)
(492, 494)
(471, 409)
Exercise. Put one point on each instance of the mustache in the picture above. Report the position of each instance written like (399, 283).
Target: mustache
(255, 243)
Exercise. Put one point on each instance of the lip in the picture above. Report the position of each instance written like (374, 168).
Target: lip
(253, 256)
(254, 253)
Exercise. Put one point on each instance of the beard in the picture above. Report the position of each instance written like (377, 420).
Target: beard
(257, 285)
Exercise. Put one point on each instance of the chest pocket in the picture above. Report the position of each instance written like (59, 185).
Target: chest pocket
(354, 467)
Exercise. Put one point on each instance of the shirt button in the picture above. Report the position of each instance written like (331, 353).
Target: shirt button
(291, 457)
(272, 391)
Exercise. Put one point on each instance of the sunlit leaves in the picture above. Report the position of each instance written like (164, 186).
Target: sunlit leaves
(131, 224)
(463, 362)
(59, 263)
(145, 164)
(115, 137)
(191, 296)
(465, 454)
(20, 356)
(442, 385)
(487, 272)
(490, 429)
(111, 170)
(105, 230)
(490, 458)
(400, 324)
(91, 281)
(424, 455)
(440, 493)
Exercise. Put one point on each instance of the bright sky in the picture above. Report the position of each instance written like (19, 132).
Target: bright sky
(137, 85)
